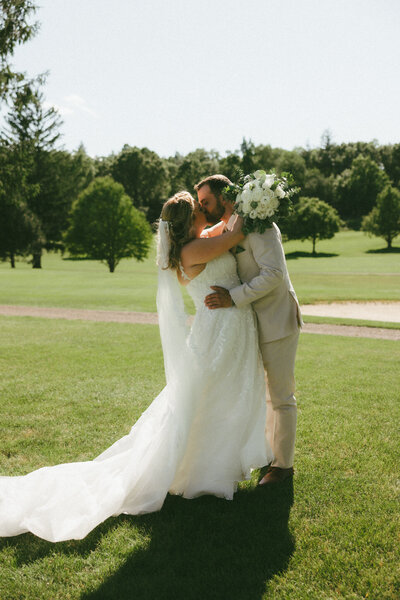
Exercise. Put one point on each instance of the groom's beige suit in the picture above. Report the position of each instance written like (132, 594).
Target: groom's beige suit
(266, 285)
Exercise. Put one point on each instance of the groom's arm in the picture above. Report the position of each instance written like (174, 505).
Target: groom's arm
(267, 254)
(266, 251)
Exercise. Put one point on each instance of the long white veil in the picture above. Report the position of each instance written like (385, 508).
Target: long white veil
(171, 310)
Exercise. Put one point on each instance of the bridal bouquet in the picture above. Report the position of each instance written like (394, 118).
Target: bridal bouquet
(261, 198)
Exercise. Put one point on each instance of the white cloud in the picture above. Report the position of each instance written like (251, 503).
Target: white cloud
(72, 104)
(62, 110)
(78, 103)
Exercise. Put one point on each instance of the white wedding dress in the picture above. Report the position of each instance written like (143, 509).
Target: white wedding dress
(202, 434)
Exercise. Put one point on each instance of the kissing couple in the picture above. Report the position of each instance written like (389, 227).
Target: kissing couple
(228, 406)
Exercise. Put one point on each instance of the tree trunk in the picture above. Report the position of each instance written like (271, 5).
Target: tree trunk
(111, 265)
(12, 260)
(389, 242)
(313, 247)
(37, 260)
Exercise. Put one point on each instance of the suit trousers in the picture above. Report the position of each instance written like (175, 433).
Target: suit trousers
(279, 358)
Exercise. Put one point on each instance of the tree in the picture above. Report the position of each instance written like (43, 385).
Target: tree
(106, 227)
(186, 171)
(292, 162)
(35, 129)
(230, 166)
(14, 30)
(384, 218)
(316, 185)
(247, 150)
(60, 177)
(19, 229)
(390, 157)
(144, 176)
(266, 157)
(357, 189)
(312, 219)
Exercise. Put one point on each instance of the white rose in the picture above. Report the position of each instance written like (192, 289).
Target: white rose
(274, 203)
(256, 194)
(253, 214)
(267, 199)
(270, 211)
(279, 192)
(245, 200)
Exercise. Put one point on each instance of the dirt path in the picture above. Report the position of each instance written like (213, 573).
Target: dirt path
(151, 318)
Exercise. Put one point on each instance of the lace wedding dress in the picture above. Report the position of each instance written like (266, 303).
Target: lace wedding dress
(202, 434)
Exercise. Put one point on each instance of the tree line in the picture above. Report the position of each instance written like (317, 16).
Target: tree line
(43, 187)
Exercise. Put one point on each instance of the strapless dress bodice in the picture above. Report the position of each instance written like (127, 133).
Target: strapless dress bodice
(221, 271)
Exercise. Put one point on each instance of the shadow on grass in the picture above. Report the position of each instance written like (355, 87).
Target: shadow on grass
(294, 255)
(202, 548)
(77, 258)
(208, 548)
(394, 250)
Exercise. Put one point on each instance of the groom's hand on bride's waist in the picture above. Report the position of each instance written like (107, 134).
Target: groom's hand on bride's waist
(220, 298)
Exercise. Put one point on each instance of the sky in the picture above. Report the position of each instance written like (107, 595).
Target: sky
(178, 75)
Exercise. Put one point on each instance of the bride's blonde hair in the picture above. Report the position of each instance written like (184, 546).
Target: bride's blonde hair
(178, 211)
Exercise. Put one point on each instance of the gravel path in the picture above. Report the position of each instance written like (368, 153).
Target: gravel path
(151, 318)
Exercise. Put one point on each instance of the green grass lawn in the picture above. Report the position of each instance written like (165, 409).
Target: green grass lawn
(348, 267)
(69, 389)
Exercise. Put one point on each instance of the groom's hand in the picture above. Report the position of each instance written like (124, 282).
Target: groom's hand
(221, 298)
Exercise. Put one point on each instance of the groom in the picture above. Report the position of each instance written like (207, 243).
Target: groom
(266, 284)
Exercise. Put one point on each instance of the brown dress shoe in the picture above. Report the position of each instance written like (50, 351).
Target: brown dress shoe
(276, 475)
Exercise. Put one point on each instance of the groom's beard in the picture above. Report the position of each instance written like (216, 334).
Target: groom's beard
(216, 215)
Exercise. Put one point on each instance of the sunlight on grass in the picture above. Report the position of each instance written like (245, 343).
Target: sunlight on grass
(70, 389)
(351, 273)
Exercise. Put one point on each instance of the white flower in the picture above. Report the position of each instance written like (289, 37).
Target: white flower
(270, 211)
(246, 200)
(256, 194)
(274, 203)
(253, 214)
(269, 180)
(260, 175)
(279, 192)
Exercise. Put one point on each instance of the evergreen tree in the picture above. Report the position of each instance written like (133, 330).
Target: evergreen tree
(35, 129)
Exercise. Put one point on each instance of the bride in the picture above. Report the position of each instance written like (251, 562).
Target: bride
(202, 434)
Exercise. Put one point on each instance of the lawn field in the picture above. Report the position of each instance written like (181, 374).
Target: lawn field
(69, 389)
(348, 267)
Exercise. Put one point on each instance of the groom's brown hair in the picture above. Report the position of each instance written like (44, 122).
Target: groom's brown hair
(216, 182)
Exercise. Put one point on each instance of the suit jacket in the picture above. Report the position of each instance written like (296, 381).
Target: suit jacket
(266, 284)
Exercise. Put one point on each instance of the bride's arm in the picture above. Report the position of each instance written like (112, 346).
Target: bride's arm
(202, 250)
